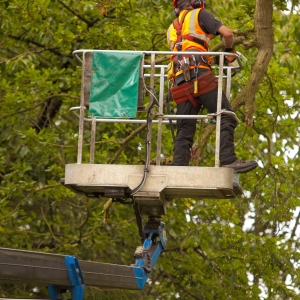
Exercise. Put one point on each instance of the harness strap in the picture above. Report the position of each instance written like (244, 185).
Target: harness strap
(185, 92)
(178, 26)
(194, 61)
(190, 97)
(196, 40)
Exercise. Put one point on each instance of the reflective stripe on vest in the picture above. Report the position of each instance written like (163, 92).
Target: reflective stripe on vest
(190, 27)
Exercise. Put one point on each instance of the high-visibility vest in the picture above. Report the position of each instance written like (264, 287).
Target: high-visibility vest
(193, 38)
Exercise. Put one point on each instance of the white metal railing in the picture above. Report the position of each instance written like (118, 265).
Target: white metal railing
(161, 118)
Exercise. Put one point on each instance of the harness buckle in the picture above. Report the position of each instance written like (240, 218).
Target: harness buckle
(185, 67)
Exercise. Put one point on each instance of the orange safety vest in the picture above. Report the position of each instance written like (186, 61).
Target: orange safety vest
(193, 38)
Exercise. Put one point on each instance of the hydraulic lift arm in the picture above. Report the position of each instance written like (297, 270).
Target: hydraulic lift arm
(61, 272)
(147, 255)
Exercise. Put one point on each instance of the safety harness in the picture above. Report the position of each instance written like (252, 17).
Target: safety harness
(189, 90)
(178, 27)
(186, 91)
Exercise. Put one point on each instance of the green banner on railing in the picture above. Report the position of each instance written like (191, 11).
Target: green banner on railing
(114, 84)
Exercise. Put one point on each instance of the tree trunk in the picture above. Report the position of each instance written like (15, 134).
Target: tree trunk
(264, 41)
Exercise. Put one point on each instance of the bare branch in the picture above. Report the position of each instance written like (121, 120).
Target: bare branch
(126, 140)
(38, 104)
(30, 41)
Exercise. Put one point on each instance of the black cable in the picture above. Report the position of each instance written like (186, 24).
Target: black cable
(139, 222)
(148, 144)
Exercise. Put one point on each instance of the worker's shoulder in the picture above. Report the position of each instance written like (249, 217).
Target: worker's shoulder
(203, 13)
(209, 22)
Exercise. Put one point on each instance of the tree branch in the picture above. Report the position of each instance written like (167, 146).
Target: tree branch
(126, 140)
(77, 15)
(29, 41)
(32, 107)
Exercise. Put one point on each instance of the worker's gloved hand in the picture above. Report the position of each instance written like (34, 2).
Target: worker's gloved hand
(229, 59)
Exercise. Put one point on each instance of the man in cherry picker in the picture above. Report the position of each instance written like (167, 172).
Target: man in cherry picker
(194, 83)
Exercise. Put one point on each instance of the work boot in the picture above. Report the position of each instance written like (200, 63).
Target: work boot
(240, 166)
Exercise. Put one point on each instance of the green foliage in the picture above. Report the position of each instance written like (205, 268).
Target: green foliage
(228, 249)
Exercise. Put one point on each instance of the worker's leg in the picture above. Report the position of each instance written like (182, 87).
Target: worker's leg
(228, 125)
(185, 134)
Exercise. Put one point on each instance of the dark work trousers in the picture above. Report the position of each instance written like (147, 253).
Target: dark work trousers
(186, 128)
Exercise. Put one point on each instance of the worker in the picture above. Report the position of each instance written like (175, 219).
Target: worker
(195, 85)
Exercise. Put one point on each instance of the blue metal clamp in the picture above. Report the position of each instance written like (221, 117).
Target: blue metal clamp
(77, 286)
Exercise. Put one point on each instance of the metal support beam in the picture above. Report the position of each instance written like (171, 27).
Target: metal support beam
(28, 267)
(61, 272)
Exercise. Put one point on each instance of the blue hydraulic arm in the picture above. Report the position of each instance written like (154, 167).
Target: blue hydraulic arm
(66, 273)
(77, 286)
(147, 255)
